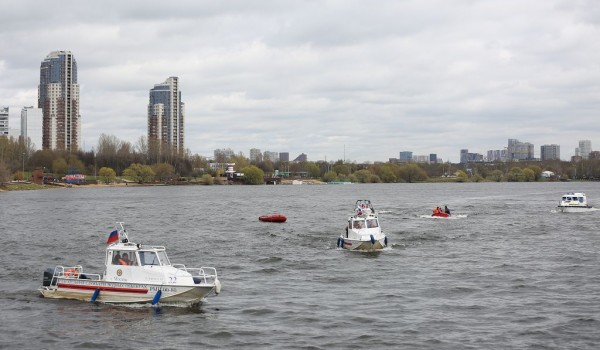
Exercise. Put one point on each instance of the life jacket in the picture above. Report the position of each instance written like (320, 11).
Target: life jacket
(123, 262)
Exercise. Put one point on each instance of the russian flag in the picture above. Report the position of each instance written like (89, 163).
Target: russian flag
(114, 237)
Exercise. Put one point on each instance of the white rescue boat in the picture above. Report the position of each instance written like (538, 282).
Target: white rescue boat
(574, 202)
(134, 273)
(363, 231)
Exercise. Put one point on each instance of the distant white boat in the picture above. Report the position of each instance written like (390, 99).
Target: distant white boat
(574, 202)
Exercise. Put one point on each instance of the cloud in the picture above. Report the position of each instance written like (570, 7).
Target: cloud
(321, 77)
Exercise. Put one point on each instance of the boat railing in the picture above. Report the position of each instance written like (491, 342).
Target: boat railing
(73, 272)
(206, 274)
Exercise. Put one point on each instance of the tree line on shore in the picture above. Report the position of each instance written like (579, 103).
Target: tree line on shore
(146, 162)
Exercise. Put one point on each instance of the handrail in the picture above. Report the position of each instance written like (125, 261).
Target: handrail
(73, 272)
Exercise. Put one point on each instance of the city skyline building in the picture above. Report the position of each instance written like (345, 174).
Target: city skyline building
(550, 152)
(31, 126)
(584, 149)
(4, 121)
(271, 156)
(421, 158)
(58, 97)
(518, 150)
(467, 157)
(301, 158)
(255, 155)
(284, 156)
(223, 155)
(433, 159)
(496, 155)
(166, 115)
(406, 156)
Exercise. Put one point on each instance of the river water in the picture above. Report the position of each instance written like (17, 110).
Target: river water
(508, 273)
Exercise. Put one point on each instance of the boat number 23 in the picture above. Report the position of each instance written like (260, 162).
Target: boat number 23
(172, 279)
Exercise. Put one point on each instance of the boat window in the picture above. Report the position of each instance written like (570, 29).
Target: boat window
(359, 224)
(133, 259)
(580, 199)
(148, 258)
(162, 255)
(371, 223)
(121, 257)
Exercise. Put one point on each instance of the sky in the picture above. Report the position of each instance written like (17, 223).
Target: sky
(339, 79)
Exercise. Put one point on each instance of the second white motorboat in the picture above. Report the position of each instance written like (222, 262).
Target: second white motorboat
(363, 231)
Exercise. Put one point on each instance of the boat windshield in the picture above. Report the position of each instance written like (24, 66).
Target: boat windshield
(372, 223)
(148, 258)
(358, 224)
(164, 260)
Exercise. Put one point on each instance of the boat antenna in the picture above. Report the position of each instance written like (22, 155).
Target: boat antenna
(123, 232)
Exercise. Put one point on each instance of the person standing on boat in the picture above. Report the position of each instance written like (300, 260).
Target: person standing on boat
(446, 210)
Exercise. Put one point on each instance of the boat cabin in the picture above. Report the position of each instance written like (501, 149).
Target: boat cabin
(132, 255)
(132, 262)
(574, 199)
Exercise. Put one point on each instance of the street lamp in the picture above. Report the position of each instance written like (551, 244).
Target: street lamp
(23, 173)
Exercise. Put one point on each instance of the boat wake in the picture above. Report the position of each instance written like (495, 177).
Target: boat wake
(587, 210)
(453, 217)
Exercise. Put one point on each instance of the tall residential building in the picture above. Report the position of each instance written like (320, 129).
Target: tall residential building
(31, 126)
(550, 152)
(166, 114)
(518, 150)
(4, 121)
(584, 150)
(58, 97)
(496, 155)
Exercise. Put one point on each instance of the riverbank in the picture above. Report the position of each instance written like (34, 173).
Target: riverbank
(20, 186)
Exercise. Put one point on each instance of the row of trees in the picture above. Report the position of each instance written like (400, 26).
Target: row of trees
(146, 162)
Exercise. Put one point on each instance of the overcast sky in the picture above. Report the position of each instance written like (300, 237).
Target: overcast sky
(362, 80)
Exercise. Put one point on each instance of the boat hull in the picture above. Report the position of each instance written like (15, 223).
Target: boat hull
(440, 215)
(362, 244)
(574, 209)
(124, 293)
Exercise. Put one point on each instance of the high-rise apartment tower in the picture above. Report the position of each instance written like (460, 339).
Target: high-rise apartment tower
(4, 121)
(166, 114)
(58, 97)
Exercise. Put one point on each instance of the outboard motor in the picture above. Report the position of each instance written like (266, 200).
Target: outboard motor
(48, 274)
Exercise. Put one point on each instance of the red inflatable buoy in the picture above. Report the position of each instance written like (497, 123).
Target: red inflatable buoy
(273, 218)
